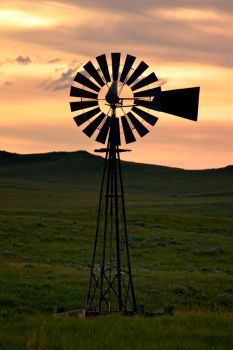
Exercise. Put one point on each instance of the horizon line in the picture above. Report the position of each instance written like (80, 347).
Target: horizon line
(136, 162)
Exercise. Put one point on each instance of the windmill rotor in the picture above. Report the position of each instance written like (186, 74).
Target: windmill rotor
(101, 85)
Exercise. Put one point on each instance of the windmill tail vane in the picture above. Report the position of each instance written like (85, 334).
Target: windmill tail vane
(116, 102)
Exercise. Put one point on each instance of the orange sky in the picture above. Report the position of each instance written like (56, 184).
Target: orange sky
(187, 43)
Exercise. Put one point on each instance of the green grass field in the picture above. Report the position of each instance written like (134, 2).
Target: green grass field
(181, 242)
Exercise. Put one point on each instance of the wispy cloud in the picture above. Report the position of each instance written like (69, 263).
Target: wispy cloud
(63, 82)
(184, 31)
(8, 83)
(54, 60)
(18, 18)
(23, 60)
(132, 6)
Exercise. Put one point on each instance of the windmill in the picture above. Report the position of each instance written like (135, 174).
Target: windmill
(115, 103)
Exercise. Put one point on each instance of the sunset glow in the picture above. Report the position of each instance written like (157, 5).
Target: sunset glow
(43, 44)
(17, 18)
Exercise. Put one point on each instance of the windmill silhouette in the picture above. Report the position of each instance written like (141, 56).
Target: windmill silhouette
(115, 103)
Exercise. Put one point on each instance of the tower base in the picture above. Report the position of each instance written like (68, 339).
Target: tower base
(84, 313)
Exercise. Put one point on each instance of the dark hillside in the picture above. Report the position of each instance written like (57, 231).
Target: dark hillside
(83, 170)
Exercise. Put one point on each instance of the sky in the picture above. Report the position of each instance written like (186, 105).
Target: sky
(185, 42)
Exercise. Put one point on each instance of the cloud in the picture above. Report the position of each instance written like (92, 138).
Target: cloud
(8, 83)
(174, 37)
(54, 60)
(131, 6)
(63, 82)
(23, 60)
(184, 31)
(20, 59)
(45, 83)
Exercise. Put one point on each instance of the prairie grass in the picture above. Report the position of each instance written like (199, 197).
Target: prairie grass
(186, 330)
(181, 245)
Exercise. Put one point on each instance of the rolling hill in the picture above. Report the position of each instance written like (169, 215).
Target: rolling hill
(83, 170)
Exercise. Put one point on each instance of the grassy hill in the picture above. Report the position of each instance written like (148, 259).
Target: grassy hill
(83, 170)
(180, 225)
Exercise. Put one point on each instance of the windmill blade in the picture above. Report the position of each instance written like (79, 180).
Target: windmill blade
(147, 93)
(76, 92)
(146, 104)
(129, 136)
(82, 118)
(115, 65)
(129, 61)
(90, 129)
(180, 102)
(104, 131)
(76, 106)
(81, 79)
(149, 118)
(115, 132)
(138, 71)
(94, 73)
(141, 129)
(149, 79)
(102, 61)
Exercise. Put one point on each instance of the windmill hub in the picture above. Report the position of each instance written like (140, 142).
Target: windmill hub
(113, 100)
(112, 95)
(121, 99)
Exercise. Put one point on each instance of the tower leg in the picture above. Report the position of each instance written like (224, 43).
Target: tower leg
(92, 280)
(126, 234)
(117, 232)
